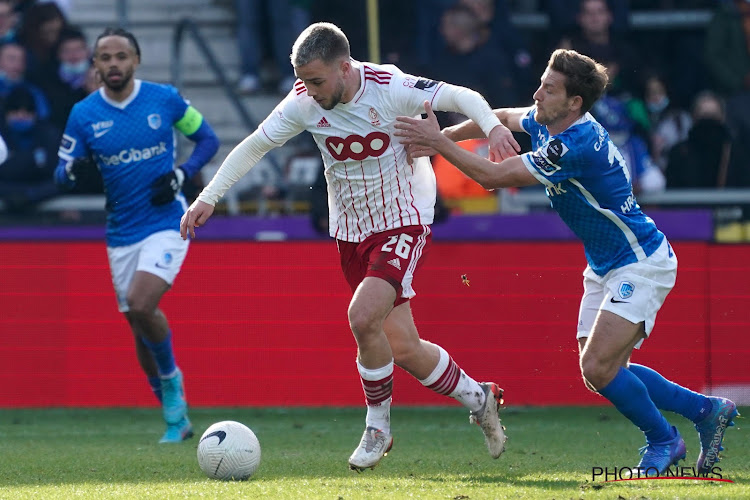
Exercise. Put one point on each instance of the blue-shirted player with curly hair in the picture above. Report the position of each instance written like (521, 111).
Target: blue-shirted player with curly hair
(631, 265)
(127, 127)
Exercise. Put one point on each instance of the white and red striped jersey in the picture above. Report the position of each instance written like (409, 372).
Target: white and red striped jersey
(371, 187)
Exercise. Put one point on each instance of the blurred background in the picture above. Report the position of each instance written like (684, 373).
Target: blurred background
(261, 286)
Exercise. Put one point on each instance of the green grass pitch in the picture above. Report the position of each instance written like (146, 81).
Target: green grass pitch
(113, 453)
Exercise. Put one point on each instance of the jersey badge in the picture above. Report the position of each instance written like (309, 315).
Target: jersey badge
(547, 156)
(424, 84)
(555, 150)
(323, 123)
(154, 121)
(68, 144)
(626, 289)
(374, 118)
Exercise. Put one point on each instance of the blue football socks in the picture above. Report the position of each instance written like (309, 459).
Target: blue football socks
(163, 354)
(630, 397)
(667, 395)
(155, 383)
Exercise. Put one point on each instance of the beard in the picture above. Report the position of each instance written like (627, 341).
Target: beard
(546, 117)
(334, 99)
(117, 86)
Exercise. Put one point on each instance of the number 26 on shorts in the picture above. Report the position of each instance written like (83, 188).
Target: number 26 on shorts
(402, 243)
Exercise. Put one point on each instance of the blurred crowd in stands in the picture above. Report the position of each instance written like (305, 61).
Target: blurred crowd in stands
(678, 105)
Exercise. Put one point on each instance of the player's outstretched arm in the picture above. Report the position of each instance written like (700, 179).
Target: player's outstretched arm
(511, 172)
(469, 102)
(195, 216)
(510, 117)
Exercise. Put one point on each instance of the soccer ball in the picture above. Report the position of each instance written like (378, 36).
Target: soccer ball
(229, 451)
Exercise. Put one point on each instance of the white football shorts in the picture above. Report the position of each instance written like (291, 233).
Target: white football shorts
(161, 254)
(635, 292)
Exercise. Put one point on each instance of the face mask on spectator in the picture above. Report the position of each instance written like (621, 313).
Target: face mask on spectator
(20, 124)
(73, 72)
(4, 77)
(660, 105)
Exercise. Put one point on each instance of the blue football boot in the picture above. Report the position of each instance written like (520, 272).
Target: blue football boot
(179, 432)
(174, 406)
(656, 458)
(711, 432)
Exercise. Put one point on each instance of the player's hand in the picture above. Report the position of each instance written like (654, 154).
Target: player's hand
(414, 151)
(80, 168)
(502, 144)
(166, 187)
(196, 216)
(421, 136)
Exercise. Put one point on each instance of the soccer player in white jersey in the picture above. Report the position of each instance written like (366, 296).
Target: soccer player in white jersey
(127, 127)
(631, 265)
(381, 208)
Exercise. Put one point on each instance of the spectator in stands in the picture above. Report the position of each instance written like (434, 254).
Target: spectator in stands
(612, 113)
(701, 161)
(26, 175)
(565, 22)
(596, 38)
(469, 54)
(283, 20)
(69, 85)
(728, 59)
(738, 121)
(8, 22)
(727, 54)
(12, 75)
(669, 123)
(495, 14)
(40, 34)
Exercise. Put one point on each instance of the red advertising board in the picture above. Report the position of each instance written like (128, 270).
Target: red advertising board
(265, 324)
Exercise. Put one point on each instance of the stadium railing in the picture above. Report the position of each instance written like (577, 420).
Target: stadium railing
(524, 200)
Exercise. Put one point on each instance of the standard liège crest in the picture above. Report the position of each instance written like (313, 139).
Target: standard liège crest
(374, 117)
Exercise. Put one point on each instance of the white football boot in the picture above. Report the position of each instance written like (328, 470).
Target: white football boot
(375, 444)
(488, 419)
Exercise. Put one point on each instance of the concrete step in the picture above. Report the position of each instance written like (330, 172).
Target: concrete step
(102, 13)
(219, 110)
(156, 53)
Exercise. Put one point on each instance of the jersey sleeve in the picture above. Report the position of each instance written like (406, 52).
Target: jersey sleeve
(409, 92)
(73, 143)
(555, 161)
(284, 122)
(528, 123)
(184, 117)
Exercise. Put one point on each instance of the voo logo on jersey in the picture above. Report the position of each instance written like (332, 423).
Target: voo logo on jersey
(357, 147)
(132, 154)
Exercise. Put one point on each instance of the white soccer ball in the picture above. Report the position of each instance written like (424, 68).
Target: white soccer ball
(229, 451)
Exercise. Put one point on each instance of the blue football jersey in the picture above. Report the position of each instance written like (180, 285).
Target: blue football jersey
(588, 184)
(133, 143)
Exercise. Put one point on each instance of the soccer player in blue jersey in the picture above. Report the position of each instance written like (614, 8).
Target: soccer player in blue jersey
(631, 265)
(127, 128)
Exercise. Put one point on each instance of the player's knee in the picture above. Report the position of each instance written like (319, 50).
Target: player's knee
(596, 373)
(362, 323)
(140, 309)
(405, 354)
